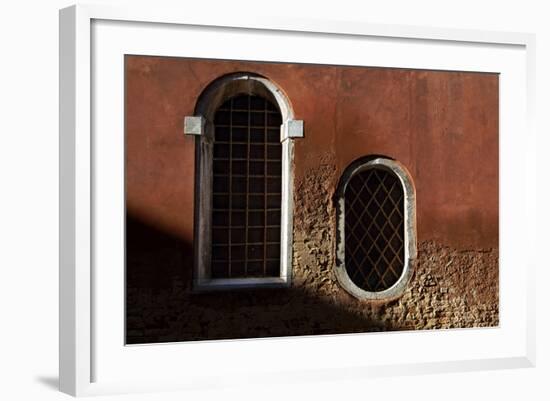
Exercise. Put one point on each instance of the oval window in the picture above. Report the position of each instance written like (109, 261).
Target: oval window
(376, 222)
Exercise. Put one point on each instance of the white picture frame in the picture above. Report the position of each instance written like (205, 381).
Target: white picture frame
(94, 360)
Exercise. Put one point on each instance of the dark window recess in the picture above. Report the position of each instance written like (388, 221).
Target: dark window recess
(246, 214)
(374, 229)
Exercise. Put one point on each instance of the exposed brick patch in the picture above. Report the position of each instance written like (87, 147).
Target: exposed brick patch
(451, 288)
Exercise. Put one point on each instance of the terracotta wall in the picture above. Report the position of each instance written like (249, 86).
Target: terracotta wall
(443, 126)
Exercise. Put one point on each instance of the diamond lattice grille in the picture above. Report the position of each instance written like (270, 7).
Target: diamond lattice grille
(374, 229)
(246, 207)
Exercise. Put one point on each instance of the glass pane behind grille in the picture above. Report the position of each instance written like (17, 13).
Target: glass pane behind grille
(374, 229)
(246, 214)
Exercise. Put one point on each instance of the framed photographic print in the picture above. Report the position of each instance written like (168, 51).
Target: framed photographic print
(261, 199)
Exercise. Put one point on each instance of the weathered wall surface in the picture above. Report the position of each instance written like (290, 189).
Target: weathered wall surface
(443, 126)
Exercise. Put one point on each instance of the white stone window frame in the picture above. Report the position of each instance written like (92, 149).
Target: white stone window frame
(202, 126)
(409, 212)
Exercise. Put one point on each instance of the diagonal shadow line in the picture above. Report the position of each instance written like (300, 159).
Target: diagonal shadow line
(161, 306)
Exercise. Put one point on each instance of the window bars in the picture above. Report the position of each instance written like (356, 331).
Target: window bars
(246, 209)
(374, 229)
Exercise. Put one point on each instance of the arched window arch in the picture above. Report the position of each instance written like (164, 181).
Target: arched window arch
(376, 228)
(243, 215)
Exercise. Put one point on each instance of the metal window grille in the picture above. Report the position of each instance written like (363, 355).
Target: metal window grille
(374, 229)
(246, 210)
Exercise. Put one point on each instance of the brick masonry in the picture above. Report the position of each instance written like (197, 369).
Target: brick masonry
(451, 288)
(441, 125)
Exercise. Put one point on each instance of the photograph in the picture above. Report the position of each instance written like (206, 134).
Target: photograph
(270, 199)
(221, 200)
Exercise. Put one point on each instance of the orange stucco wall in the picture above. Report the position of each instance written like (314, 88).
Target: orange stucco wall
(443, 126)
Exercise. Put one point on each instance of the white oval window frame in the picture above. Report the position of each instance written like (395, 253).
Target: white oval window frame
(409, 208)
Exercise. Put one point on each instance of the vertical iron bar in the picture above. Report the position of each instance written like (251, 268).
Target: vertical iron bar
(230, 187)
(247, 194)
(265, 187)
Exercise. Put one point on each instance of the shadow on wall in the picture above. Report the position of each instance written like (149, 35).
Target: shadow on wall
(161, 307)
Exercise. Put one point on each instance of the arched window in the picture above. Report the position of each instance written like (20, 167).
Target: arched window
(376, 246)
(243, 219)
(246, 213)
